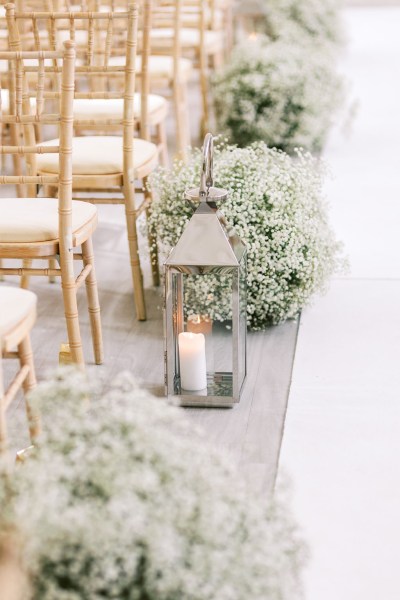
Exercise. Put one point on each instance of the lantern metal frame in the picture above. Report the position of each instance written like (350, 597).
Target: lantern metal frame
(208, 245)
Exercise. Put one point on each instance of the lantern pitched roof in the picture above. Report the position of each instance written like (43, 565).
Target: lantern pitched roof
(207, 240)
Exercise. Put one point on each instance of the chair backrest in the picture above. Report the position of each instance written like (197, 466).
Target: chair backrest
(154, 14)
(194, 8)
(145, 18)
(167, 14)
(28, 100)
(52, 5)
(100, 37)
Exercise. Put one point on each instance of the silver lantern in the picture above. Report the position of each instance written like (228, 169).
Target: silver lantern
(205, 362)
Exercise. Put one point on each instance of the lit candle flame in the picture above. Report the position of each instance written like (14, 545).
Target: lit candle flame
(195, 319)
(199, 323)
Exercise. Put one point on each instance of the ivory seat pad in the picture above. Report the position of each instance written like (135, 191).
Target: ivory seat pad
(98, 155)
(164, 65)
(24, 220)
(159, 65)
(28, 62)
(15, 305)
(106, 8)
(189, 37)
(190, 16)
(99, 108)
(81, 35)
(5, 101)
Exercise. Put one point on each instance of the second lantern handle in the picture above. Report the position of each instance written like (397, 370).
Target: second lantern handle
(206, 180)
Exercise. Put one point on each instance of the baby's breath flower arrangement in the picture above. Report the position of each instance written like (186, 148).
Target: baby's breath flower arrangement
(276, 205)
(285, 94)
(318, 20)
(123, 500)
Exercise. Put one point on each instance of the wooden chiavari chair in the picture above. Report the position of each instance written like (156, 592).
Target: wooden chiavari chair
(17, 317)
(42, 228)
(150, 110)
(11, 130)
(202, 45)
(105, 166)
(167, 71)
(220, 17)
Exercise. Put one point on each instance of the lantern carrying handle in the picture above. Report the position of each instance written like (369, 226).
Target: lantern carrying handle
(206, 180)
(206, 193)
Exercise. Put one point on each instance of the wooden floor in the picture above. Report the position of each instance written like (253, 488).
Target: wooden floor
(251, 432)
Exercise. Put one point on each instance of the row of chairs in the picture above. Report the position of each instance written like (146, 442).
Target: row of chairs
(185, 36)
(70, 74)
(31, 227)
(28, 31)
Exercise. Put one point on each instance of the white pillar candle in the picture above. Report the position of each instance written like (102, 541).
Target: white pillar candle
(192, 360)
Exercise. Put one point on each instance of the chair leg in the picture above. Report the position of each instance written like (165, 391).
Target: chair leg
(25, 356)
(138, 290)
(152, 239)
(185, 116)
(53, 264)
(162, 143)
(93, 302)
(181, 118)
(229, 40)
(16, 140)
(204, 93)
(71, 316)
(1, 266)
(217, 60)
(3, 424)
(51, 192)
(26, 264)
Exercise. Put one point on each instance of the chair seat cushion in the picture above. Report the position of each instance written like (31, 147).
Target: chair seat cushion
(28, 62)
(190, 17)
(25, 220)
(159, 65)
(98, 155)
(163, 66)
(15, 305)
(5, 101)
(189, 37)
(114, 107)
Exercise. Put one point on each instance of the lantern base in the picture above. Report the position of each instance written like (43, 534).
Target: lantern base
(218, 394)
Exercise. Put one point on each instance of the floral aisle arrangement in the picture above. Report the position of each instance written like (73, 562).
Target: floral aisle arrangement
(317, 20)
(124, 500)
(276, 205)
(283, 93)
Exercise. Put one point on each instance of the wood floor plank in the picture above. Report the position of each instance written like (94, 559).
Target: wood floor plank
(268, 409)
(250, 432)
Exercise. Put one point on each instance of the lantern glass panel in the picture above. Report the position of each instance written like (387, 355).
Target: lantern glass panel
(193, 314)
(242, 323)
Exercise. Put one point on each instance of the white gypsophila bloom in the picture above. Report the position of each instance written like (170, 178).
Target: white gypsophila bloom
(124, 500)
(293, 20)
(276, 205)
(283, 93)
